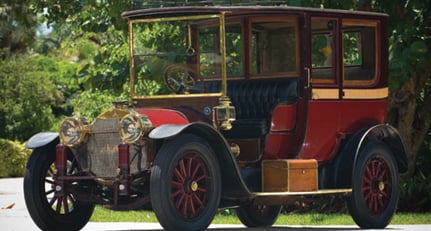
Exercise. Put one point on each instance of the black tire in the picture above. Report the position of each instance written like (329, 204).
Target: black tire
(185, 184)
(252, 215)
(48, 211)
(375, 187)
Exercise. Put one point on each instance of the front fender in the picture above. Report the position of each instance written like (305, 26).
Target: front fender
(41, 139)
(234, 187)
(167, 131)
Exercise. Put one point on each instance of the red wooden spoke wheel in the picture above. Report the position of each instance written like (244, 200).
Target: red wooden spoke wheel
(252, 215)
(185, 184)
(48, 202)
(190, 186)
(375, 186)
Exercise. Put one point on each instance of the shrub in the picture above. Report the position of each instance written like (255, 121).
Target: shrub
(26, 98)
(416, 190)
(91, 103)
(13, 158)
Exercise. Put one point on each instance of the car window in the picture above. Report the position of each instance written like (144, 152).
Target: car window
(359, 52)
(323, 50)
(274, 46)
(209, 54)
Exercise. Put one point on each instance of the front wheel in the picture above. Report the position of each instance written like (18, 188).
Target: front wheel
(49, 210)
(185, 184)
(252, 215)
(375, 187)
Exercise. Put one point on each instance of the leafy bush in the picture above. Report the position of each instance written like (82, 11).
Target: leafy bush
(26, 99)
(91, 103)
(416, 190)
(13, 158)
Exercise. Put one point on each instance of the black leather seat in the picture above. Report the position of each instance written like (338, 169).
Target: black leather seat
(254, 101)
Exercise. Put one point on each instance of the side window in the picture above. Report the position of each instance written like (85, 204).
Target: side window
(359, 53)
(323, 50)
(274, 46)
(209, 51)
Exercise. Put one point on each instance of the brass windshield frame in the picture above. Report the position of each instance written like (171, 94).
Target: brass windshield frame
(221, 18)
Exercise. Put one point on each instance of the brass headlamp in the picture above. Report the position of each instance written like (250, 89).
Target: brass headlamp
(133, 127)
(73, 131)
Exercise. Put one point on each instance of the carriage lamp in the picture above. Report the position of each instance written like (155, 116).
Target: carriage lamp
(73, 131)
(224, 114)
(133, 127)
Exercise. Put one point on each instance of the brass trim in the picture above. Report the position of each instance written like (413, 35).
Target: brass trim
(113, 113)
(178, 18)
(378, 93)
(308, 70)
(223, 54)
(320, 93)
(318, 192)
(178, 96)
(282, 198)
(132, 61)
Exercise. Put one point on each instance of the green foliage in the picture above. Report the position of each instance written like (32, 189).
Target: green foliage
(146, 87)
(26, 99)
(13, 158)
(86, 15)
(107, 67)
(405, 60)
(416, 190)
(17, 27)
(92, 102)
(61, 73)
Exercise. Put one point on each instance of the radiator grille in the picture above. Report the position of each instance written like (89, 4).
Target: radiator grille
(102, 147)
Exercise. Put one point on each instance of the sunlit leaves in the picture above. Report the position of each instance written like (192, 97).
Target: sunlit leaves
(27, 98)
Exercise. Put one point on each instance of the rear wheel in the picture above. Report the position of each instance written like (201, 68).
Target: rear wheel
(375, 187)
(185, 184)
(48, 209)
(252, 215)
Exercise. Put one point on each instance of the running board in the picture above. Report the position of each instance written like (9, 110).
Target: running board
(278, 198)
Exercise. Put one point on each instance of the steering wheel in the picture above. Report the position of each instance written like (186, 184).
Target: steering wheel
(179, 79)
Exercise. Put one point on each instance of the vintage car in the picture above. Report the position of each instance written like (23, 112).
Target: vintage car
(242, 107)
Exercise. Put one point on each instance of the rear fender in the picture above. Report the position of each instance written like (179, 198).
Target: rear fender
(390, 136)
(41, 139)
(349, 154)
(234, 187)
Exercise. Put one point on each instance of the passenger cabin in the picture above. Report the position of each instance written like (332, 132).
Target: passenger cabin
(301, 80)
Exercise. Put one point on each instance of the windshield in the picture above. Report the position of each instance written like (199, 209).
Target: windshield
(196, 55)
(176, 55)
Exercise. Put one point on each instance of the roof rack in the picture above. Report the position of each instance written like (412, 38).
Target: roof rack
(159, 4)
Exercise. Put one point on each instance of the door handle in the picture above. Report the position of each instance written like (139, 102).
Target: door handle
(308, 70)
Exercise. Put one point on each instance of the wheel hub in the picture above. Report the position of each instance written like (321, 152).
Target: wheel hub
(381, 186)
(190, 186)
(194, 186)
(378, 186)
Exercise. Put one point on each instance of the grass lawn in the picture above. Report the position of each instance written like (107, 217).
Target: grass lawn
(229, 217)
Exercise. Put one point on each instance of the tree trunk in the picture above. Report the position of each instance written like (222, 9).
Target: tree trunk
(412, 119)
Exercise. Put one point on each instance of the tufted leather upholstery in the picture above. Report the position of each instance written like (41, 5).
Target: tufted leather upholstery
(254, 101)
